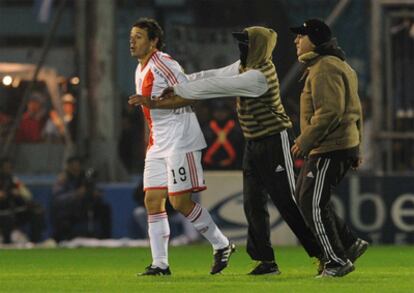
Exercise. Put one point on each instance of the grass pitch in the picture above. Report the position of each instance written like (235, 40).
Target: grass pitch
(381, 269)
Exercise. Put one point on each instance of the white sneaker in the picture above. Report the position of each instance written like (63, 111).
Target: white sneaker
(48, 243)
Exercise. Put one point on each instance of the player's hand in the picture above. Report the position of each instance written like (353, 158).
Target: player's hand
(296, 151)
(356, 162)
(166, 94)
(138, 100)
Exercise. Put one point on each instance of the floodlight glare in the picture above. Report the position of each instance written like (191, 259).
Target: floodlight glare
(75, 80)
(7, 80)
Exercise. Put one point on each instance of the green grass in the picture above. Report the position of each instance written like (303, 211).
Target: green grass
(381, 269)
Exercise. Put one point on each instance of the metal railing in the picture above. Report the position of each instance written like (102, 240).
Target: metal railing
(392, 68)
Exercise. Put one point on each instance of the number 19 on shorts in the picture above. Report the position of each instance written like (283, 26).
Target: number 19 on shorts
(181, 175)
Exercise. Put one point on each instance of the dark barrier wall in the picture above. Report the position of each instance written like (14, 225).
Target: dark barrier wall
(380, 209)
(119, 196)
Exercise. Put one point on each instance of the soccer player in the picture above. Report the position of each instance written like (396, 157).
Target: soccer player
(267, 163)
(173, 159)
(330, 122)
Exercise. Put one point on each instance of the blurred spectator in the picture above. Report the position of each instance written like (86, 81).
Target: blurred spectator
(69, 114)
(182, 231)
(17, 209)
(54, 130)
(5, 123)
(33, 120)
(78, 208)
(224, 138)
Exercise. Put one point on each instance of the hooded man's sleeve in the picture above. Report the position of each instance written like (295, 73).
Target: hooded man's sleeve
(251, 83)
(229, 70)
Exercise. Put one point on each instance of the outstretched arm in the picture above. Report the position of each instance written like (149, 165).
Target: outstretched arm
(229, 70)
(252, 83)
(171, 103)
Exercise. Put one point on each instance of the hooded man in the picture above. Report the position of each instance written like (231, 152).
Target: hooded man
(267, 163)
(330, 122)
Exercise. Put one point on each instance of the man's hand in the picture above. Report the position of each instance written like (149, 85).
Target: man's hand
(138, 100)
(167, 93)
(296, 151)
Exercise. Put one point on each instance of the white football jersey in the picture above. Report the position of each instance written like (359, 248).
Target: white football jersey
(172, 131)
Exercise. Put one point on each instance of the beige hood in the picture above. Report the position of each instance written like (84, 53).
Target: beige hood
(262, 42)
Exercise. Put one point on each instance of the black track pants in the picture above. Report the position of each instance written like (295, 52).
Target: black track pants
(268, 171)
(317, 178)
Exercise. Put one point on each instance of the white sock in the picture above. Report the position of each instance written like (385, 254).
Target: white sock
(159, 233)
(204, 224)
(188, 229)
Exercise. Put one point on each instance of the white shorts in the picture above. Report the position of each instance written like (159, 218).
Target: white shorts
(178, 174)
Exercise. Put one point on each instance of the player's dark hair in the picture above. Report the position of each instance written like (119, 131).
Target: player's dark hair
(153, 29)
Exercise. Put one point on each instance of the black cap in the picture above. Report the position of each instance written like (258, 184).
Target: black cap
(242, 37)
(317, 31)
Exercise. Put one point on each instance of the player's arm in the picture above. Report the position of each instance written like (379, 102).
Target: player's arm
(171, 103)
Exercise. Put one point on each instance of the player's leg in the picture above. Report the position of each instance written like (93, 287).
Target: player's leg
(189, 233)
(200, 218)
(155, 186)
(185, 175)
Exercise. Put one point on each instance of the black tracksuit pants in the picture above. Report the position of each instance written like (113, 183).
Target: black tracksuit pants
(268, 171)
(319, 175)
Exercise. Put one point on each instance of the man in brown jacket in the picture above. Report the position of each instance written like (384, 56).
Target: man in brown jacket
(330, 123)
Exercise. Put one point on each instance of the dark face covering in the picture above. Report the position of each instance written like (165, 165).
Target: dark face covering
(244, 49)
(243, 39)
